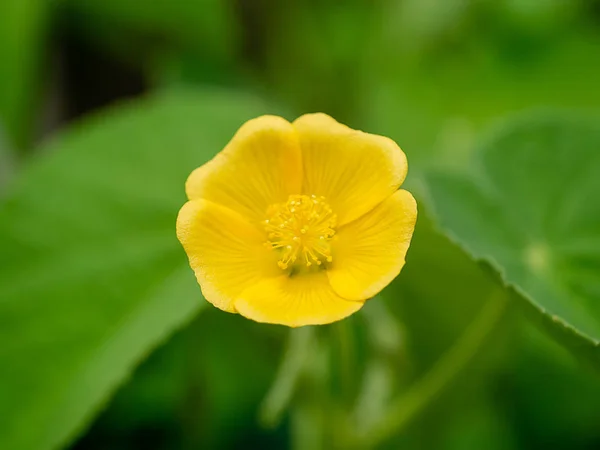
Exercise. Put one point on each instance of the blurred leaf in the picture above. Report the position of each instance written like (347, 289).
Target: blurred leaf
(230, 375)
(429, 73)
(424, 391)
(317, 61)
(440, 289)
(91, 274)
(206, 26)
(550, 398)
(6, 161)
(440, 294)
(434, 96)
(529, 206)
(22, 28)
(189, 393)
(478, 427)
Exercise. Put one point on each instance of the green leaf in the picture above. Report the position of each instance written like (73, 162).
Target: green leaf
(455, 315)
(529, 205)
(91, 274)
(440, 288)
(434, 97)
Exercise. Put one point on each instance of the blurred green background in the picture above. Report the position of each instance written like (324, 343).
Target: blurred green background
(107, 105)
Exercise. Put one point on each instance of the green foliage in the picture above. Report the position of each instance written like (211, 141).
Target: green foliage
(528, 205)
(444, 299)
(203, 21)
(437, 100)
(22, 28)
(156, 34)
(431, 74)
(97, 302)
(189, 393)
(92, 276)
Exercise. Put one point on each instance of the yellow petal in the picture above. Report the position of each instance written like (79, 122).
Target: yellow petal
(369, 252)
(225, 251)
(353, 170)
(260, 166)
(304, 299)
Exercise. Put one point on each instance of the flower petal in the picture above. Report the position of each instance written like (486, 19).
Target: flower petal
(369, 252)
(260, 166)
(226, 252)
(353, 170)
(304, 299)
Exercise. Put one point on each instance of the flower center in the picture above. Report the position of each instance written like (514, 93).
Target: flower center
(301, 229)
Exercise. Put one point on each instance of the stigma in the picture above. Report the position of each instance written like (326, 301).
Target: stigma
(300, 230)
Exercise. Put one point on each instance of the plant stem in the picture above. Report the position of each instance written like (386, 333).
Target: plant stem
(345, 348)
(279, 396)
(424, 391)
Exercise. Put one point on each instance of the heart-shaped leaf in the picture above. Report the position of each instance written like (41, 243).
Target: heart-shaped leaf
(91, 274)
(530, 206)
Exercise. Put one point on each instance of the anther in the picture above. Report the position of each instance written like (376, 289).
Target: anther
(301, 229)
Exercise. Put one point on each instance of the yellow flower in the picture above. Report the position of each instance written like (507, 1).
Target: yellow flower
(297, 223)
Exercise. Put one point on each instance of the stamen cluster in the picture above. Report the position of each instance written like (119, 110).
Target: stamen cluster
(301, 229)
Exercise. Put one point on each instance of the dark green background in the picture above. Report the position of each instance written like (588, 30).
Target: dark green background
(107, 105)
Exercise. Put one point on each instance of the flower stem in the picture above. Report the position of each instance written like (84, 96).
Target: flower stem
(300, 342)
(408, 406)
(344, 348)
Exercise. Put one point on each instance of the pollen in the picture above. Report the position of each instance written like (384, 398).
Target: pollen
(301, 230)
